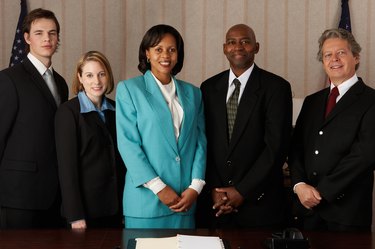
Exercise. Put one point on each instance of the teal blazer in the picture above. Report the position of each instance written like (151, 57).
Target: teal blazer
(148, 146)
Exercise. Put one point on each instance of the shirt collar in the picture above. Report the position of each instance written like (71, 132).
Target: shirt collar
(346, 85)
(87, 105)
(243, 78)
(38, 64)
(169, 90)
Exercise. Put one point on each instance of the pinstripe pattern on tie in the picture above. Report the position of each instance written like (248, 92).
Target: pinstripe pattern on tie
(232, 105)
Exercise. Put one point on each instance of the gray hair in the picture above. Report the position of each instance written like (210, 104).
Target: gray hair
(354, 47)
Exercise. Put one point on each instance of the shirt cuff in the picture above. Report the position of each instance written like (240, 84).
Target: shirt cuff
(295, 185)
(155, 185)
(197, 185)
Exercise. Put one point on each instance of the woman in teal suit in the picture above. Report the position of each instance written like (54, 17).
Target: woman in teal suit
(161, 136)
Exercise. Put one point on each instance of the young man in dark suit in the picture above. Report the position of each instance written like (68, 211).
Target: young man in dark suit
(332, 157)
(248, 127)
(29, 192)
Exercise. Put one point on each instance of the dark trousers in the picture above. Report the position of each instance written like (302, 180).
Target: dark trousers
(314, 222)
(15, 218)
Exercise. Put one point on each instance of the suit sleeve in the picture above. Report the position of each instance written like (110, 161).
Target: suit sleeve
(8, 109)
(296, 156)
(129, 139)
(67, 148)
(278, 123)
(199, 166)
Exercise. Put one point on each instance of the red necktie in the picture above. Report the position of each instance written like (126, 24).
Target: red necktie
(332, 100)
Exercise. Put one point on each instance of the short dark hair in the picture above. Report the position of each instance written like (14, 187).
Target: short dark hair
(39, 14)
(152, 37)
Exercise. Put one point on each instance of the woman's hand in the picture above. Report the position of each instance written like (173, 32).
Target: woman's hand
(168, 196)
(188, 197)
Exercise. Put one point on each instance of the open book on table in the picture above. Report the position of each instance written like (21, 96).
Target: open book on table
(179, 242)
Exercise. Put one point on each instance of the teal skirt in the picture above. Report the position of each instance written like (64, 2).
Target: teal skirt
(174, 221)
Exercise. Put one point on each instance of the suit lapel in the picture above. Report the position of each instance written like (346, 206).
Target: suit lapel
(160, 108)
(39, 81)
(247, 103)
(320, 106)
(219, 99)
(189, 111)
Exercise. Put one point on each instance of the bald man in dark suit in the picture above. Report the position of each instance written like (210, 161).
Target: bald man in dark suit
(244, 162)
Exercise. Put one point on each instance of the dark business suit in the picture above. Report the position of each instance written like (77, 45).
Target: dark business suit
(91, 171)
(28, 165)
(336, 154)
(252, 161)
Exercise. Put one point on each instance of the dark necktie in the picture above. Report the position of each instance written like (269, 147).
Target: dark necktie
(332, 100)
(232, 105)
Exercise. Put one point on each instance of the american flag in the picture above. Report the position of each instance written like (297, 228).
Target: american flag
(345, 16)
(18, 49)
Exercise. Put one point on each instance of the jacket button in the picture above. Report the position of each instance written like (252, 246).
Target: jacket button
(316, 152)
(314, 173)
(320, 132)
(177, 159)
(230, 182)
(229, 163)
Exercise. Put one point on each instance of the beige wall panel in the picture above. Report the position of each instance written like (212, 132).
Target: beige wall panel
(296, 41)
(213, 37)
(153, 13)
(113, 33)
(363, 36)
(256, 19)
(276, 45)
(371, 46)
(9, 25)
(193, 39)
(134, 23)
(94, 18)
(173, 15)
(73, 38)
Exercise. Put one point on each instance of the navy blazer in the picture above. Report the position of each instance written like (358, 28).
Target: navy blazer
(28, 164)
(336, 154)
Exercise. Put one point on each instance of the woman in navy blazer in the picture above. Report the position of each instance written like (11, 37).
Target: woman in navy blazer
(161, 136)
(91, 171)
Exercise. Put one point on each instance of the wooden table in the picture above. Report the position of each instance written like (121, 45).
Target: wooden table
(114, 239)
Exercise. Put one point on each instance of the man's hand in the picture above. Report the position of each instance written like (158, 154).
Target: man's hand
(226, 200)
(235, 199)
(79, 225)
(308, 195)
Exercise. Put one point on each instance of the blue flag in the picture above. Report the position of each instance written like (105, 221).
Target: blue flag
(345, 16)
(18, 49)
